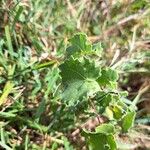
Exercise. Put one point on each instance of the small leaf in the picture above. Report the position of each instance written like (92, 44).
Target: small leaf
(97, 47)
(104, 99)
(79, 44)
(99, 141)
(105, 129)
(112, 142)
(108, 77)
(95, 141)
(117, 112)
(109, 113)
(127, 121)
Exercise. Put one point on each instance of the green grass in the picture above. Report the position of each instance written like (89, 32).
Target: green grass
(33, 39)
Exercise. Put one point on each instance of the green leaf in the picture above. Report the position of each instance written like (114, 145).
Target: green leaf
(112, 142)
(73, 69)
(108, 77)
(138, 4)
(104, 99)
(78, 79)
(79, 44)
(127, 121)
(97, 47)
(100, 141)
(117, 112)
(79, 91)
(105, 129)
(96, 141)
(109, 113)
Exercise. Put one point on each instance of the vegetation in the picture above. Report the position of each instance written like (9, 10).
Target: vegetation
(74, 74)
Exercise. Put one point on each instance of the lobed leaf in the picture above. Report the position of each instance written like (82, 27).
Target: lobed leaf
(108, 76)
(78, 79)
(79, 44)
(102, 139)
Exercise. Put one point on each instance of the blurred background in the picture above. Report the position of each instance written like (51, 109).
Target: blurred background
(34, 34)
